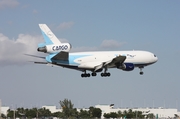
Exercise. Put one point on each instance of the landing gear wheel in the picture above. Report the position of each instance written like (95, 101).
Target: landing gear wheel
(85, 75)
(141, 73)
(105, 74)
(93, 74)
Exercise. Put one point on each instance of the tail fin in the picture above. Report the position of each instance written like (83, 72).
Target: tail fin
(48, 35)
(52, 44)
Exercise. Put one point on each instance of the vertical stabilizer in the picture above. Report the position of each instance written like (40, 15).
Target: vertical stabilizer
(48, 35)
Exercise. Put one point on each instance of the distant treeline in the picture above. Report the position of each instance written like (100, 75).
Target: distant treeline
(68, 111)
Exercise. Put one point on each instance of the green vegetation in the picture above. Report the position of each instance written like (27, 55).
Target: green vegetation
(29, 113)
(69, 112)
(127, 114)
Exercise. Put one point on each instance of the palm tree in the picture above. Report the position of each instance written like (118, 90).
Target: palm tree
(67, 107)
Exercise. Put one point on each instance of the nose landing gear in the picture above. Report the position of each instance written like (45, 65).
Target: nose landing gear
(141, 72)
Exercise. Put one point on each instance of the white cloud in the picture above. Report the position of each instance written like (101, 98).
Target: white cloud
(8, 3)
(65, 25)
(12, 51)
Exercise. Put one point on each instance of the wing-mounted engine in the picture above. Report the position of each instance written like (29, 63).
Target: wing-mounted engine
(55, 48)
(127, 67)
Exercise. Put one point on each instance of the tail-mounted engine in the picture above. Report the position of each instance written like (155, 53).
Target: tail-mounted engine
(54, 48)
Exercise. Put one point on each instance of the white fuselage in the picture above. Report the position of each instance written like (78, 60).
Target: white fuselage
(90, 59)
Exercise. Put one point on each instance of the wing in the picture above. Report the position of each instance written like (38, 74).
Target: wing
(117, 61)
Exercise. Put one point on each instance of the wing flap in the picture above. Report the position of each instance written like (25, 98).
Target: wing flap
(114, 62)
(117, 61)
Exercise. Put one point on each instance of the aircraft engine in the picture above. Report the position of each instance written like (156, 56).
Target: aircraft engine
(55, 48)
(127, 67)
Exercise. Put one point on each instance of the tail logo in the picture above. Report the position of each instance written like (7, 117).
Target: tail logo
(63, 47)
(50, 34)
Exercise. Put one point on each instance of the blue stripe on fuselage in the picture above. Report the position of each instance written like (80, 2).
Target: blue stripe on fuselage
(69, 62)
(47, 40)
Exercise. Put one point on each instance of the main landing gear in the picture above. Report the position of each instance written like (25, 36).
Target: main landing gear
(105, 74)
(95, 74)
(88, 74)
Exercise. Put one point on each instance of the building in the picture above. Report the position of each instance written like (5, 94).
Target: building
(52, 109)
(158, 112)
(4, 110)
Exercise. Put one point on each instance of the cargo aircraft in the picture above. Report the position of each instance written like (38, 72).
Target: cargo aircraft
(94, 61)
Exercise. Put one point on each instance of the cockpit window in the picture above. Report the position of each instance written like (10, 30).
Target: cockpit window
(154, 55)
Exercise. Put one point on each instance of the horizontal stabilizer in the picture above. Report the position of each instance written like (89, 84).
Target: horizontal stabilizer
(61, 56)
(41, 62)
(35, 56)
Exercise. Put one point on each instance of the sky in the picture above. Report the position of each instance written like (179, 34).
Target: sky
(90, 26)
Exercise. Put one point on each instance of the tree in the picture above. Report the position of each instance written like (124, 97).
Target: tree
(107, 115)
(151, 116)
(119, 114)
(21, 112)
(43, 112)
(3, 116)
(31, 113)
(75, 113)
(58, 114)
(95, 112)
(84, 114)
(10, 113)
(90, 111)
(138, 114)
(111, 115)
(67, 107)
(130, 114)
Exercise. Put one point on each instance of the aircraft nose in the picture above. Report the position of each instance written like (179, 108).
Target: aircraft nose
(155, 58)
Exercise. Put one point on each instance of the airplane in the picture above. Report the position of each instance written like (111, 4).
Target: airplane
(94, 61)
